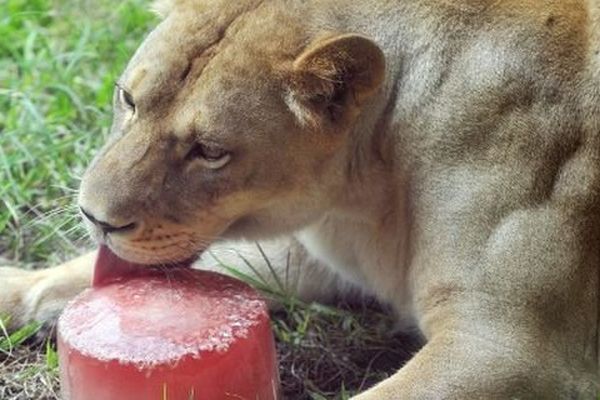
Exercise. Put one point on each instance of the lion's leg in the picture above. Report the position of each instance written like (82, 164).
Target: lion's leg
(518, 321)
(483, 363)
(464, 366)
(41, 295)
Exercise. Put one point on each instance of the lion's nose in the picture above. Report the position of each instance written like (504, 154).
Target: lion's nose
(105, 226)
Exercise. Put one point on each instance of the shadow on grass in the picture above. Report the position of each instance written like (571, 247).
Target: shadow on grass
(333, 353)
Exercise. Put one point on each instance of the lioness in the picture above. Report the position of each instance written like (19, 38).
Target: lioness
(441, 155)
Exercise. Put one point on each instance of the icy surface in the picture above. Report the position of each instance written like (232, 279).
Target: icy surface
(160, 318)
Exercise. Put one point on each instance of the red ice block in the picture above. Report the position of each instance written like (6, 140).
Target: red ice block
(166, 335)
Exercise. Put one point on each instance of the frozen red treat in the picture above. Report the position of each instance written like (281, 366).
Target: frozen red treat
(169, 334)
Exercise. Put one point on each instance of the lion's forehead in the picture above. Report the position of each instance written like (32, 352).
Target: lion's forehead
(212, 50)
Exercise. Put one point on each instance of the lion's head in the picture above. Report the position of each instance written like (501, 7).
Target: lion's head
(231, 120)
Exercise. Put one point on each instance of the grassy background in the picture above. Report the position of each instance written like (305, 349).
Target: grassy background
(58, 64)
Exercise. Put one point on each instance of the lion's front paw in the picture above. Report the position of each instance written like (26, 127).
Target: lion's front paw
(14, 284)
(21, 300)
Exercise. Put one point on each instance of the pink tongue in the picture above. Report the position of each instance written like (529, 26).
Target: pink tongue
(110, 268)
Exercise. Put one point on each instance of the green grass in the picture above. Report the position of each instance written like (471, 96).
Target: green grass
(9, 341)
(58, 64)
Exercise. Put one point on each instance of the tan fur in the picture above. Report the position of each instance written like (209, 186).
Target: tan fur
(441, 155)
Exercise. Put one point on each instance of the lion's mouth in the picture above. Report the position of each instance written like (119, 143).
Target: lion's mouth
(110, 268)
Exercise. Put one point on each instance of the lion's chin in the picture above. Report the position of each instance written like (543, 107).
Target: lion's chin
(170, 257)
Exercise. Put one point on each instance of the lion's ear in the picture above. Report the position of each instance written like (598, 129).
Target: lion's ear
(332, 78)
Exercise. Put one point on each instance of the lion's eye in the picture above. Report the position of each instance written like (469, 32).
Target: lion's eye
(126, 98)
(210, 156)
